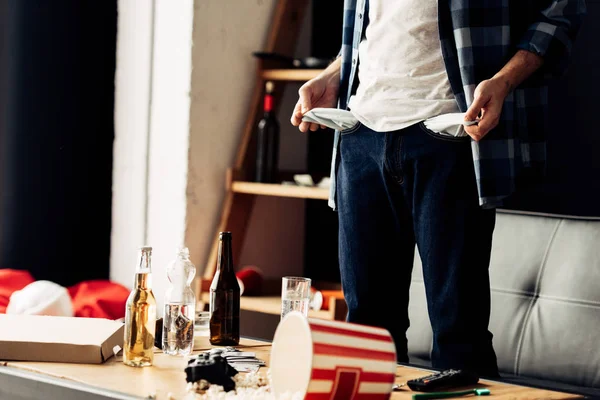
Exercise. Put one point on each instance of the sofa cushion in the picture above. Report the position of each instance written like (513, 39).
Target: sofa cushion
(545, 278)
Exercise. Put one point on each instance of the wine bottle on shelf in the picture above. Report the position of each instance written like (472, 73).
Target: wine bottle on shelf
(267, 151)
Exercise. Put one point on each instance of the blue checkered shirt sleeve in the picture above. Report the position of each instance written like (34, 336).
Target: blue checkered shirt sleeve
(552, 35)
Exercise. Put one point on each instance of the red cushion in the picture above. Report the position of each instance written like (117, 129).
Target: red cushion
(99, 299)
(12, 280)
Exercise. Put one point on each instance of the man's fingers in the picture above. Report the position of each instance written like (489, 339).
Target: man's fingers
(476, 131)
(304, 101)
(473, 111)
(476, 135)
(485, 109)
(296, 115)
(304, 126)
(487, 124)
(314, 127)
(472, 131)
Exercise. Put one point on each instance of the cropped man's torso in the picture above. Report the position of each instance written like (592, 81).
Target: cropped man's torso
(402, 76)
(477, 38)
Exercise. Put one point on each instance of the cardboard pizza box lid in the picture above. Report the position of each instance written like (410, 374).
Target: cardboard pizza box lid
(59, 339)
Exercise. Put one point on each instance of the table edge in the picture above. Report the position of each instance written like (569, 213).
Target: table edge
(14, 377)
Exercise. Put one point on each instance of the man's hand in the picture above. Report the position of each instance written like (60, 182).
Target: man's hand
(321, 91)
(486, 107)
(490, 94)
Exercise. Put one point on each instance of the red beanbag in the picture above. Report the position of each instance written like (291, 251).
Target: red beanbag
(99, 299)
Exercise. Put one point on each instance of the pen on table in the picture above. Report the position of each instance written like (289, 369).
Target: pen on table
(445, 395)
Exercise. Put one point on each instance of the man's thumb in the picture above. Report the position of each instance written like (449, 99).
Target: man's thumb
(473, 111)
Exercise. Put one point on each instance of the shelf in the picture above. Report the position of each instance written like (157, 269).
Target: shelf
(268, 189)
(271, 305)
(239, 201)
(290, 74)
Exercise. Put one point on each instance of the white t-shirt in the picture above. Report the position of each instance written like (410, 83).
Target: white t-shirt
(402, 75)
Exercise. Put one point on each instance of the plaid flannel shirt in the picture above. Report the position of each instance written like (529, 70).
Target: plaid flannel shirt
(477, 38)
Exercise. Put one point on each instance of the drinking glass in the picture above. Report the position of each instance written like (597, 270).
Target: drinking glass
(295, 295)
(201, 323)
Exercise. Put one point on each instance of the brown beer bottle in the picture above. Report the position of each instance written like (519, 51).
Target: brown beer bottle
(225, 298)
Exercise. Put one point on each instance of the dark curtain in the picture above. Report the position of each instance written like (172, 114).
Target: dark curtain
(57, 138)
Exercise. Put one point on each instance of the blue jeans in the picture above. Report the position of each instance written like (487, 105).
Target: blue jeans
(407, 187)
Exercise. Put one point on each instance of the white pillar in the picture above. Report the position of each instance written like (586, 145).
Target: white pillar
(132, 101)
(152, 109)
(169, 134)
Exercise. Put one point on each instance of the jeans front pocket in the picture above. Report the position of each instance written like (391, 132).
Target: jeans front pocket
(440, 136)
(351, 130)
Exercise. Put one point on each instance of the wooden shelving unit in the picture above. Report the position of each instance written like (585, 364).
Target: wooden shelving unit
(269, 302)
(240, 190)
(272, 305)
(265, 189)
(292, 75)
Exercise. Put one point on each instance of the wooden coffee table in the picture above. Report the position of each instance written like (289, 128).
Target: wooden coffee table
(113, 380)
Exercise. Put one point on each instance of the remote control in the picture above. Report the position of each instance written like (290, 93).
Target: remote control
(450, 378)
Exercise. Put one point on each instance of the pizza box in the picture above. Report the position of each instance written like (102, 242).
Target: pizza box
(59, 339)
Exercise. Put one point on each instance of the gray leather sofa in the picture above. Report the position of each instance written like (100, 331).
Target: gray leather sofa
(545, 278)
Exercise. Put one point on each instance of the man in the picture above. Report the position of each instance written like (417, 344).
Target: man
(396, 183)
